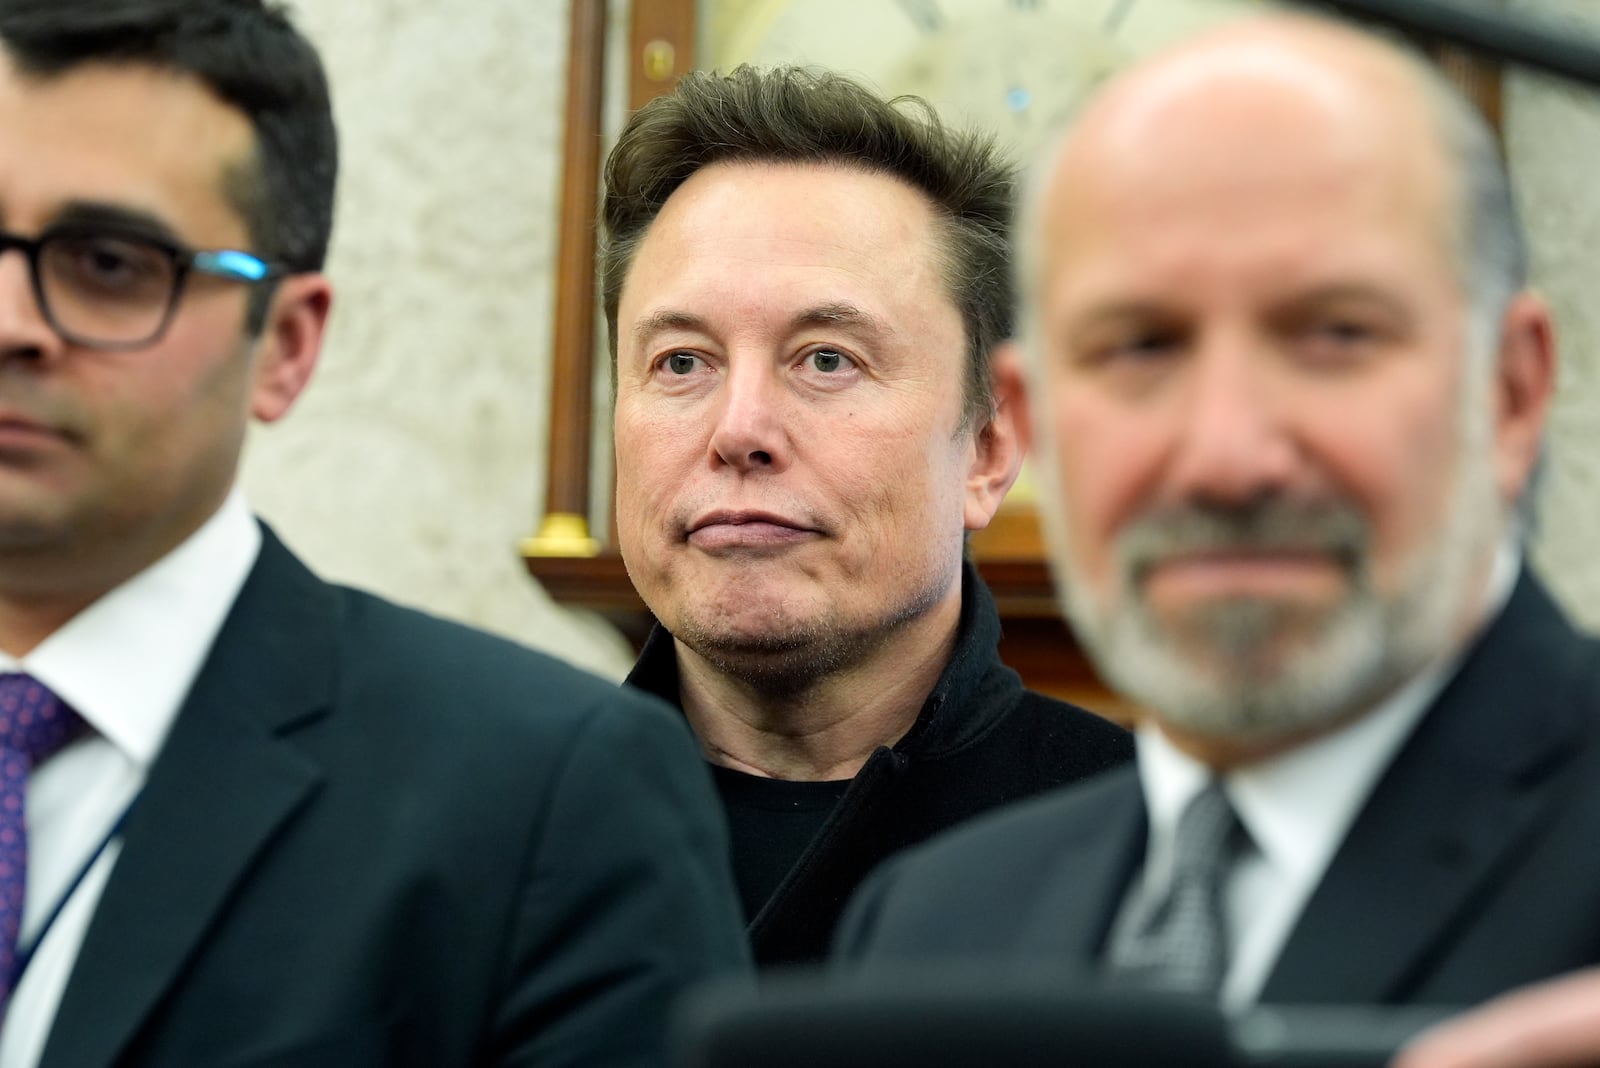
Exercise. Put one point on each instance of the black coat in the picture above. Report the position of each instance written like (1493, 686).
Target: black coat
(376, 838)
(1471, 868)
(981, 740)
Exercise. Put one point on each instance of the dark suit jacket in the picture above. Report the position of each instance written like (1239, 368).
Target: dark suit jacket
(373, 837)
(1473, 867)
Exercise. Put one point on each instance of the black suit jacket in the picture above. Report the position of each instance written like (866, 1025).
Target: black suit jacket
(373, 837)
(1472, 868)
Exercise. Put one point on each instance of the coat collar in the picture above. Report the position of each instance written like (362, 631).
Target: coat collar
(1470, 784)
(1478, 775)
(223, 783)
(964, 702)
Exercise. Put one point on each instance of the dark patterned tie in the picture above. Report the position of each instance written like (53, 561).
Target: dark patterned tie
(34, 723)
(1178, 942)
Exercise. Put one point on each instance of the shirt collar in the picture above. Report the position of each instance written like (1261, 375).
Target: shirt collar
(126, 662)
(1298, 805)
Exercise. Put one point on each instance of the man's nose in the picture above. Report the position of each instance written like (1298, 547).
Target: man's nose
(751, 431)
(1236, 440)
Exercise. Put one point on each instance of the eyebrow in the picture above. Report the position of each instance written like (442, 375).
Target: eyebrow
(95, 213)
(1119, 313)
(1357, 292)
(662, 321)
(836, 313)
(843, 314)
(1331, 293)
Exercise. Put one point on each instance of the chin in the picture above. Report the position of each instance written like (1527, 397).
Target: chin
(775, 662)
(753, 634)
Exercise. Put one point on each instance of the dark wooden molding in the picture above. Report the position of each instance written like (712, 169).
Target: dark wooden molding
(1477, 78)
(1022, 588)
(1034, 641)
(572, 357)
(661, 47)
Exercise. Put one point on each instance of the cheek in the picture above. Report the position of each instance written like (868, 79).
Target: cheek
(650, 454)
(897, 499)
(1104, 460)
(199, 399)
(1398, 465)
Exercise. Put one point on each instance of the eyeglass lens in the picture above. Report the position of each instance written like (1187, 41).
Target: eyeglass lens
(106, 288)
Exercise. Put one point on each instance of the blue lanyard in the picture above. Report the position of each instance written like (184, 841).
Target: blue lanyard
(25, 954)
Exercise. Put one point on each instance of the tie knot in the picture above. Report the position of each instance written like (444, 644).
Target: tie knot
(34, 722)
(1204, 832)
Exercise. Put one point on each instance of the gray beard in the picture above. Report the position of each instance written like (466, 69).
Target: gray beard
(1257, 671)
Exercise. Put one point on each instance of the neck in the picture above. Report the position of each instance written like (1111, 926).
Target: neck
(41, 591)
(26, 622)
(825, 728)
(44, 583)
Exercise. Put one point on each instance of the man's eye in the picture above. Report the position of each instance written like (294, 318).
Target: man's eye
(1133, 347)
(1147, 343)
(1344, 331)
(829, 360)
(108, 265)
(681, 363)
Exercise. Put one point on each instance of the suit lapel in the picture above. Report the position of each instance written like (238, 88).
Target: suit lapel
(222, 784)
(1465, 792)
(1101, 849)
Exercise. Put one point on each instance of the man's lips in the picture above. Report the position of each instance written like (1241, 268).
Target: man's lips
(747, 530)
(1244, 572)
(19, 431)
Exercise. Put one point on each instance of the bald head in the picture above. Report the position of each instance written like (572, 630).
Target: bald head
(1211, 111)
(1313, 58)
(1288, 389)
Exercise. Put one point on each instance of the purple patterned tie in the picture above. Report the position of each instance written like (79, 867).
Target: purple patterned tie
(34, 723)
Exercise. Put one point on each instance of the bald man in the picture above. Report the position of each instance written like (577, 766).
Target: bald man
(1291, 390)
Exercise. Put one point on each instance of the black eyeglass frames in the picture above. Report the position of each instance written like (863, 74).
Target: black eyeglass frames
(104, 289)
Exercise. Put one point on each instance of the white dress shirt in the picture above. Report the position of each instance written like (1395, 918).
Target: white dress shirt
(1296, 807)
(124, 664)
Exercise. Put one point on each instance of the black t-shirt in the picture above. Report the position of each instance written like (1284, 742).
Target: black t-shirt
(770, 823)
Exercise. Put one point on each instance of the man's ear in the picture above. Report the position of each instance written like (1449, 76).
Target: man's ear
(999, 445)
(1524, 385)
(290, 342)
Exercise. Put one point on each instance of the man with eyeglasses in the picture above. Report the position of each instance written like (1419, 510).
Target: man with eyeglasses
(247, 817)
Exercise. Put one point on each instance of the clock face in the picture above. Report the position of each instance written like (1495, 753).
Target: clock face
(1016, 67)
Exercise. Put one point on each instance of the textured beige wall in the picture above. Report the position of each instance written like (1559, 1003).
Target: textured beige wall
(415, 462)
(1553, 136)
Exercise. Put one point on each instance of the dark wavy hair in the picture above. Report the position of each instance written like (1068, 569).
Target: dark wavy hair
(245, 51)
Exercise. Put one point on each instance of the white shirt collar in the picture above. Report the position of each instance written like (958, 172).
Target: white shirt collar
(127, 661)
(1298, 805)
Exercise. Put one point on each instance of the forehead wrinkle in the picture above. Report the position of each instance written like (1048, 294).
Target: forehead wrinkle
(834, 313)
(665, 320)
(843, 313)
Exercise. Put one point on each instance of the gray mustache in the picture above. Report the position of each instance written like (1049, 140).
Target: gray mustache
(1276, 523)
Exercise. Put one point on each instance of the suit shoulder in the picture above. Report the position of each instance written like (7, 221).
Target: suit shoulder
(418, 660)
(982, 885)
(1021, 833)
